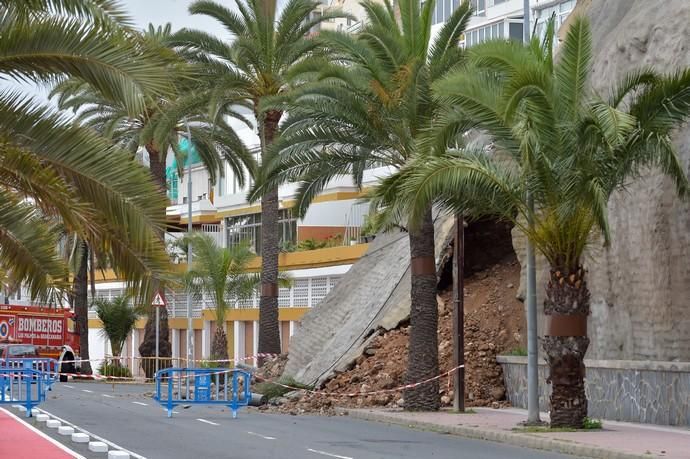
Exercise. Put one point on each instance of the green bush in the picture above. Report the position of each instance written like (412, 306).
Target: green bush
(209, 364)
(108, 369)
(312, 244)
(591, 424)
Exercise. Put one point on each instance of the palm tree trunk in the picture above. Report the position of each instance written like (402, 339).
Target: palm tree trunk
(148, 345)
(269, 333)
(219, 348)
(81, 309)
(422, 360)
(157, 166)
(565, 345)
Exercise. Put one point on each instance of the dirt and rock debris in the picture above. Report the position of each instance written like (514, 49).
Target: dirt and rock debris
(494, 324)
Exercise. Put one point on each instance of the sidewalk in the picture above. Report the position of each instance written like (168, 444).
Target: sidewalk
(617, 440)
(19, 440)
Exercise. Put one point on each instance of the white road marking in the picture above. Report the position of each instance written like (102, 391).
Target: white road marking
(262, 436)
(324, 453)
(141, 403)
(89, 391)
(110, 396)
(96, 437)
(207, 422)
(53, 441)
(68, 386)
(174, 412)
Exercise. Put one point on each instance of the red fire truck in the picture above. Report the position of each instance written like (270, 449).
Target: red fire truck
(52, 332)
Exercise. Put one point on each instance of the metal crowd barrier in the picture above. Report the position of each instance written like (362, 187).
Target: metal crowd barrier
(22, 386)
(203, 386)
(50, 368)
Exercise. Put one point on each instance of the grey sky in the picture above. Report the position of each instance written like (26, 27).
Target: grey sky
(175, 12)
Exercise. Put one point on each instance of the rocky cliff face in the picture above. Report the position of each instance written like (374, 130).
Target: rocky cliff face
(641, 284)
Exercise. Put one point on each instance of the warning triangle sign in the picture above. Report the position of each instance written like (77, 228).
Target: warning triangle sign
(158, 300)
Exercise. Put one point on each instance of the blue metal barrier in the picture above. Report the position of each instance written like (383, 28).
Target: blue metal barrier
(22, 386)
(203, 386)
(49, 367)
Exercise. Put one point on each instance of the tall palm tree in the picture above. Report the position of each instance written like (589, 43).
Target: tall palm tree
(51, 168)
(371, 108)
(157, 129)
(569, 148)
(220, 273)
(266, 48)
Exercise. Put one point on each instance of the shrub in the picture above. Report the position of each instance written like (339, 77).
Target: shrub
(591, 424)
(118, 371)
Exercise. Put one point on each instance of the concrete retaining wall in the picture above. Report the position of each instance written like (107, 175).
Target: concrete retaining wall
(621, 390)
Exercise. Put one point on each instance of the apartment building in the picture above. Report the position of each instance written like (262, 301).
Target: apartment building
(503, 19)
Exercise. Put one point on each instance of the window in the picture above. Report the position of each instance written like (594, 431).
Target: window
(559, 11)
(23, 350)
(515, 31)
(442, 10)
(173, 182)
(478, 7)
(246, 229)
(489, 32)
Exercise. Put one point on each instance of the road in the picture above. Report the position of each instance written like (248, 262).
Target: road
(129, 417)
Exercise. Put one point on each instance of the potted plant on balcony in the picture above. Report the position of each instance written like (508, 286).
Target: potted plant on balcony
(369, 228)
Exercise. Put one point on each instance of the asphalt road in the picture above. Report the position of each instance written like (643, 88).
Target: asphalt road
(129, 417)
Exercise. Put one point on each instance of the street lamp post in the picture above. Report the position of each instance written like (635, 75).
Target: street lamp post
(459, 314)
(532, 338)
(190, 330)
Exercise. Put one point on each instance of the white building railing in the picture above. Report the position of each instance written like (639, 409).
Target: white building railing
(215, 231)
(303, 293)
(354, 220)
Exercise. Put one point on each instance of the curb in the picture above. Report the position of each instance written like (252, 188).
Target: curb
(524, 440)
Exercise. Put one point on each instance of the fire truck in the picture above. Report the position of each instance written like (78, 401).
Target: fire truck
(51, 331)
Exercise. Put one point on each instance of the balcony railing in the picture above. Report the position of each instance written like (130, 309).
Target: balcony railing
(303, 293)
(354, 220)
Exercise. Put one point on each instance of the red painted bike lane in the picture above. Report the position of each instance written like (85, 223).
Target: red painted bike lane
(19, 440)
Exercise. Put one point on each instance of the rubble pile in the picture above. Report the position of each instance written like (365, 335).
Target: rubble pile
(494, 324)
(272, 369)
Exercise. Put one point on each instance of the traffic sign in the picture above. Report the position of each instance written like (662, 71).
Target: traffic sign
(158, 300)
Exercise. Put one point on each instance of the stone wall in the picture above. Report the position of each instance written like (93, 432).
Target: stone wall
(620, 390)
(640, 285)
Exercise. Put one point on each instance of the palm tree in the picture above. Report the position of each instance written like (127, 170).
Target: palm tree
(371, 108)
(53, 170)
(220, 273)
(118, 318)
(157, 128)
(266, 49)
(569, 148)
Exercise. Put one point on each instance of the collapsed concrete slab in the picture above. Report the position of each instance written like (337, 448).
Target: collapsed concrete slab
(374, 295)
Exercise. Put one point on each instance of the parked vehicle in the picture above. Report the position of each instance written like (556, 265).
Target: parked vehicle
(31, 331)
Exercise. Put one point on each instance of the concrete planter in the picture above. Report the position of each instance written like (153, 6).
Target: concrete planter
(622, 390)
